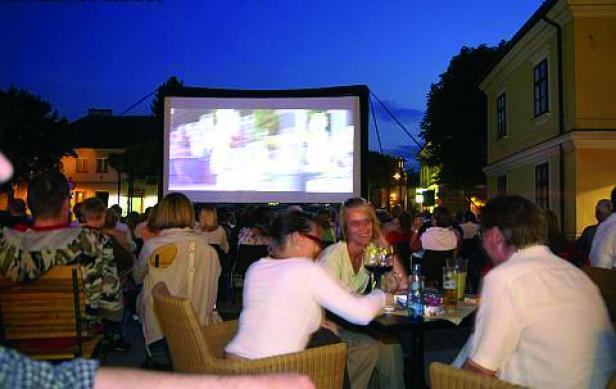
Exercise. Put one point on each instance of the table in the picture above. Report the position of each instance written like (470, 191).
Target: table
(415, 328)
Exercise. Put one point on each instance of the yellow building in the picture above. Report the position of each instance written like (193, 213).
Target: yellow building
(95, 137)
(552, 111)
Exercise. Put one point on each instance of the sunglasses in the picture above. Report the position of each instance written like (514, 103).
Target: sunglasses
(314, 239)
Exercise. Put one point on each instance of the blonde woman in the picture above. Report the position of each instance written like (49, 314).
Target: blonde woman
(209, 229)
(192, 274)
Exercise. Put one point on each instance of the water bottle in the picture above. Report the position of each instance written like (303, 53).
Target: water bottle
(414, 299)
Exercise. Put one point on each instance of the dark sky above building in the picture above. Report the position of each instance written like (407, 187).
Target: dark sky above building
(109, 53)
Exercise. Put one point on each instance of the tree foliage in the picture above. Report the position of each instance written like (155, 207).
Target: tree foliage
(454, 125)
(158, 104)
(32, 135)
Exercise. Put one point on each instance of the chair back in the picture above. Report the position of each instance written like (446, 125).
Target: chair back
(44, 318)
(433, 262)
(163, 255)
(197, 349)
(403, 251)
(605, 279)
(444, 376)
(181, 328)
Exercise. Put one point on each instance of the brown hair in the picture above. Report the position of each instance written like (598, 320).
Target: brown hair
(519, 220)
(175, 211)
(209, 217)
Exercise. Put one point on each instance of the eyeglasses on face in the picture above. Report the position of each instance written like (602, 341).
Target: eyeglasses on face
(314, 239)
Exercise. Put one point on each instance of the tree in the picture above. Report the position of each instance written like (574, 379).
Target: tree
(145, 159)
(32, 135)
(158, 104)
(454, 125)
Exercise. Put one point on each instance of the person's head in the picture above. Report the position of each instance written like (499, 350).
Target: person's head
(613, 198)
(359, 223)
(48, 196)
(441, 217)
(603, 209)
(111, 219)
(117, 209)
(261, 221)
(509, 223)
(297, 233)
(151, 221)
(17, 207)
(208, 220)
(92, 211)
(175, 211)
(469, 216)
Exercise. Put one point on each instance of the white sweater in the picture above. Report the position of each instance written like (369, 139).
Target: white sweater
(282, 306)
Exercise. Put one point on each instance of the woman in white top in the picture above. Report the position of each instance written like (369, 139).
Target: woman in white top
(192, 274)
(284, 293)
(209, 229)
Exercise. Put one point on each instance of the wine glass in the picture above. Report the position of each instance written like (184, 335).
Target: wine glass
(378, 260)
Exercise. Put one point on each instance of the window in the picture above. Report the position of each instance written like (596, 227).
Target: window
(501, 115)
(542, 185)
(501, 186)
(541, 88)
(101, 165)
(82, 165)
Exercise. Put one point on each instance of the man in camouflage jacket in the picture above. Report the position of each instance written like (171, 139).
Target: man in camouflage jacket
(26, 255)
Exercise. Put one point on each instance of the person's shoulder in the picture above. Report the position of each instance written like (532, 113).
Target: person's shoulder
(333, 252)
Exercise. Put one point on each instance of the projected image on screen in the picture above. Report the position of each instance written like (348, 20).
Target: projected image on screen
(249, 149)
(261, 150)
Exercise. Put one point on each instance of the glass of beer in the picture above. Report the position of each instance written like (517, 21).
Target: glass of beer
(461, 265)
(450, 288)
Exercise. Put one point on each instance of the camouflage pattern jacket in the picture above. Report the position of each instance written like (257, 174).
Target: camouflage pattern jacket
(27, 255)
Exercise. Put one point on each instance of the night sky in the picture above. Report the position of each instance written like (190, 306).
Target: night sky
(109, 54)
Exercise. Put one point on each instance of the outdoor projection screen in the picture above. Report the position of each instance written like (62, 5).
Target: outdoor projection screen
(295, 146)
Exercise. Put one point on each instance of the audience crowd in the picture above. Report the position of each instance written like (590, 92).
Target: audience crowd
(541, 321)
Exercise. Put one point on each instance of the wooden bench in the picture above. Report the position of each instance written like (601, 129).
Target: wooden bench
(44, 318)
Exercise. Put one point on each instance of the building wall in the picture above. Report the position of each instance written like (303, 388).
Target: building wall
(514, 76)
(595, 75)
(596, 176)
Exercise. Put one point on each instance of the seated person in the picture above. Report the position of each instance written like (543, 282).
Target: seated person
(285, 292)
(542, 322)
(344, 262)
(439, 237)
(209, 229)
(51, 241)
(192, 274)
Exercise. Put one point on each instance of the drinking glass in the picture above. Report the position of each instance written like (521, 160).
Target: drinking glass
(378, 260)
(450, 288)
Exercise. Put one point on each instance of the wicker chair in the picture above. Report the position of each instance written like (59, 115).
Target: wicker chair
(448, 377)
(196, 349)
(605, 279)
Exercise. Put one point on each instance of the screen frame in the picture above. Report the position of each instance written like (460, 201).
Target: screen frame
(359, 91)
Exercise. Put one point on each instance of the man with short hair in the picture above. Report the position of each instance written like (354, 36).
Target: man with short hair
(603, 249)
(51, 241)
(541, 323)
(603, 209)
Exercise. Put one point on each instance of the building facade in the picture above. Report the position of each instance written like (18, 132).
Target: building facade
(552, 111)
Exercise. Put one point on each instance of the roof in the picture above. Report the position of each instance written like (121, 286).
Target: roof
(530, 23)
(112, 132)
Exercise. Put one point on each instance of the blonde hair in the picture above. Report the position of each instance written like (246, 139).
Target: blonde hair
(208, 220)
(360, 203)
(175, 211)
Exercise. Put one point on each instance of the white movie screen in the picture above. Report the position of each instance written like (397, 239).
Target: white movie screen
(290, 150)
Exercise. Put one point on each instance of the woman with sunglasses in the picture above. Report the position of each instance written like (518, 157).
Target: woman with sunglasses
(284, 294)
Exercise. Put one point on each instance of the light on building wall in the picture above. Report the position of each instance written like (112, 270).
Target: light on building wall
(419, 198)
(397, 176)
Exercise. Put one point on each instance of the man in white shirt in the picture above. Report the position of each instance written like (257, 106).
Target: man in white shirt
(542, 322)
(603, 249)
